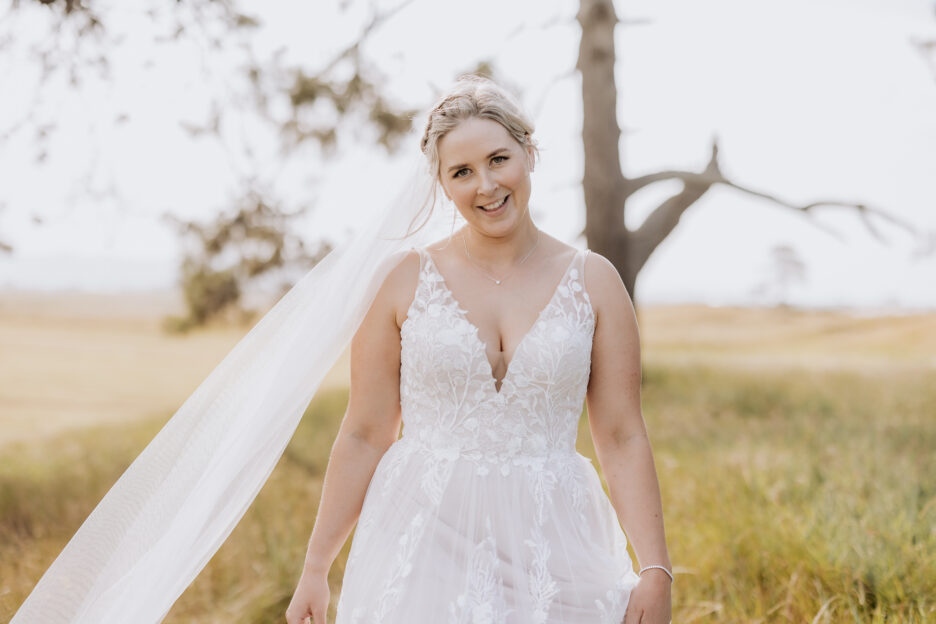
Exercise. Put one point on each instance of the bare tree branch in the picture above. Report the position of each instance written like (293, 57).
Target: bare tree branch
(377, 19)
(661, 222)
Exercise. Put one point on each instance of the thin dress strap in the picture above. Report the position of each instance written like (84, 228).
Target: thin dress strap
(583, 254)
(422, 257)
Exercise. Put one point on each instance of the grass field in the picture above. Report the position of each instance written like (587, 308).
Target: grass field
(795, 452)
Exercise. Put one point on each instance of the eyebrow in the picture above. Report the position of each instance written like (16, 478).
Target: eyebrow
(491, 155)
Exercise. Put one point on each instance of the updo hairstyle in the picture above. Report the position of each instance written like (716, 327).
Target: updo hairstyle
(475, 96)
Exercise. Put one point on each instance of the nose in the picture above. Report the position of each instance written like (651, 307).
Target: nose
(487, 184)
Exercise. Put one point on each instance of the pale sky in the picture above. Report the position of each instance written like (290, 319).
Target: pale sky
(814, 100)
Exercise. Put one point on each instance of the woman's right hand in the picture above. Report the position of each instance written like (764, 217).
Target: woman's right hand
(310, 599)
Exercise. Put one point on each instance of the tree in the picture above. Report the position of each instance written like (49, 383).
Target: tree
(251, 239)
(606, 187)
(785, 268)
(253, 242)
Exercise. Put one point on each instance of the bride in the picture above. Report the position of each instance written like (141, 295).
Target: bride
(484, 346)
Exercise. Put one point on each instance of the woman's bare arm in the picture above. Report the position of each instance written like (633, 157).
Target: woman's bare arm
(615, 417)
(372, 421)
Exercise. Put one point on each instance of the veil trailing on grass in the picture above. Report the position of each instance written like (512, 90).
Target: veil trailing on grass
(175, 505)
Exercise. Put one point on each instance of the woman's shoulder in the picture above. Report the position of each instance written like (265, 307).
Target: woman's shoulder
(399, 286)
(604, 285)
(599, 267)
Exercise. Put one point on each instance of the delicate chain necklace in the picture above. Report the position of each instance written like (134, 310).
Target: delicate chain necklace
(483, 272)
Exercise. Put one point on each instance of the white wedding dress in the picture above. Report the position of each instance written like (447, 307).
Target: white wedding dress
(483, 511)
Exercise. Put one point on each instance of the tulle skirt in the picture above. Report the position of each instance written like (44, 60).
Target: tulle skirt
(445, 538)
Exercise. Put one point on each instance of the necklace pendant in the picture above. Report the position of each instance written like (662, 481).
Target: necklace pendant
(496, 281)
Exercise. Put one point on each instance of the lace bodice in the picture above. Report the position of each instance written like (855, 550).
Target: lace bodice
(449, 400)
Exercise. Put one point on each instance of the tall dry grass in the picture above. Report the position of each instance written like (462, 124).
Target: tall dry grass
(790, 496)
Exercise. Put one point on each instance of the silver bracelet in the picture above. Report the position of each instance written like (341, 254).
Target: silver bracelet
(668, 573)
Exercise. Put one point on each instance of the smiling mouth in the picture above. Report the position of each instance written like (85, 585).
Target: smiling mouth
(494, 206)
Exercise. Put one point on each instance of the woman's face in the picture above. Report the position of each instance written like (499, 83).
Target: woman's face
(486, 173)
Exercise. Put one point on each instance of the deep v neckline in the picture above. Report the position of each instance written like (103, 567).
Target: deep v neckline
(463, 312)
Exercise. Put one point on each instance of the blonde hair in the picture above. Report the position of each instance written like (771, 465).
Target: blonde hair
(475, 96)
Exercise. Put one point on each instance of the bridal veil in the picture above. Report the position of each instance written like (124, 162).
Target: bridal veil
(178, 501)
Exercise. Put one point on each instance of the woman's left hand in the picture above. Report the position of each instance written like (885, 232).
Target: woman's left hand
(650, 601)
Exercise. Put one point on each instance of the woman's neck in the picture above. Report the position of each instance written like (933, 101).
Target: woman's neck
(500, 251)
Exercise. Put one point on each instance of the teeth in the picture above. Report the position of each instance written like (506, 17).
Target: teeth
(495, 205)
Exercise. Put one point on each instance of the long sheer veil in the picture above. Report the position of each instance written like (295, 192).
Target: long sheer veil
(175, 505)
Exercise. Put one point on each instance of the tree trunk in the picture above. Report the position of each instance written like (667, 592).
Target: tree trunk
(603, 181)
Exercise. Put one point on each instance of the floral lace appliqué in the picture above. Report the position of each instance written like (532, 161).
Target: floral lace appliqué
(483, 600)
(542, 585)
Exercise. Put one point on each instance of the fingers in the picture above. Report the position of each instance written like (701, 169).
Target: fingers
(293, 618)
(632, 615)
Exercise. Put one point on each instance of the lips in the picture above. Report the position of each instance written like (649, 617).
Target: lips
(494, 206)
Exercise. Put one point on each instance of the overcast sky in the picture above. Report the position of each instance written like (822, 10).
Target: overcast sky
(817, 100)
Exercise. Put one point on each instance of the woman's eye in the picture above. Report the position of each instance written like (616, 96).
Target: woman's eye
(458, 174)
(498, 159)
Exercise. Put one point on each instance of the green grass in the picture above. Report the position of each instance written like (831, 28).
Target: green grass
(788, 497)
